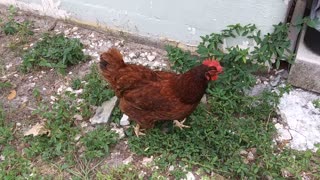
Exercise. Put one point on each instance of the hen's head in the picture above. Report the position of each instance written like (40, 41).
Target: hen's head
(214, 69)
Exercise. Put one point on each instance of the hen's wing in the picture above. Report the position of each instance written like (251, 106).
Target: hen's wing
(136, 77)
(153, 96)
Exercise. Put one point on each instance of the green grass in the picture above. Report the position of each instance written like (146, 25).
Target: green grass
(98, 142)
(60, 121)
(21, 31)
(231, 121)
(54, 51)
(128, 172)
(14, 165)
(95, 88)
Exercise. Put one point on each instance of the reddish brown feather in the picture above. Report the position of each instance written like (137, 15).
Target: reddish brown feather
(147, 96)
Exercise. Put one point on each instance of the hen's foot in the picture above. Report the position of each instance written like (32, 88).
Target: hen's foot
(137, 130)
(180, 124)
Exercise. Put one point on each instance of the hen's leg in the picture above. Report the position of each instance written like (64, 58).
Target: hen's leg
(180, 124)
(137, 130)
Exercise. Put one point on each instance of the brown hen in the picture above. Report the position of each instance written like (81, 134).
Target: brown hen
(147, 96)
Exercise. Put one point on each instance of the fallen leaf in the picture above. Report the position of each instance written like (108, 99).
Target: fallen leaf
(12, 95)
(37, 130)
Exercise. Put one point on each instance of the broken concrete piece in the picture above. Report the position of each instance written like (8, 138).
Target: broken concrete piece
(305, 72)
(258, 89)
(190, 176)
(151, 57)
(303, 119)
(119, 131)
(104, 112)
(124, 121)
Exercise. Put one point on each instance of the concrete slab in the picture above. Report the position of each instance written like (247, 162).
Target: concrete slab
(305, 73)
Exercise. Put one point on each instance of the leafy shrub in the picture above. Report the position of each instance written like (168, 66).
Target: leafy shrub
(54, 51)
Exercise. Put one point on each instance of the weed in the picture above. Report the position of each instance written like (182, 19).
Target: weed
(129, 172)
(272, 47)
(182, 61)
(316, 103)
(95, 89)
(59, 120)
(54, 51)
(84, 169)
(98, 142)
(21, 30)
(5, 129)
(14, 166)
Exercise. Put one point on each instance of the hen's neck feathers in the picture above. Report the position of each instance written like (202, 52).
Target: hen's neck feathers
(191, 86)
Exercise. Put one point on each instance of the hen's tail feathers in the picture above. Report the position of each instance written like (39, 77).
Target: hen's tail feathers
(111, 60)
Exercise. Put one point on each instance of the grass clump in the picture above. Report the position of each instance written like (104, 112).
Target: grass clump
(231, 122)
(98, 142)
(316, 103)
(12, 164)
(95, 88)
(60, 142)
(12, 27)
(22, 31)
(129, 172)
(54, 51)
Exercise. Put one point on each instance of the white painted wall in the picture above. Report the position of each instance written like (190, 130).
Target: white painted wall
(179, 20)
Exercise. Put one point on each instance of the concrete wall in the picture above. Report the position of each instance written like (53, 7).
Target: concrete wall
(177, 20)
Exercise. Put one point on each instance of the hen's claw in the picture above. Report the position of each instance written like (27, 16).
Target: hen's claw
(137, 131)
(180, 124)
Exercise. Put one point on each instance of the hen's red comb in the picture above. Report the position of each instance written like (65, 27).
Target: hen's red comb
(211, 62)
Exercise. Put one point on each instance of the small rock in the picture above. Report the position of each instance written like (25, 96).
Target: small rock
(190, 176)
(147, 160)
(143, 55)
(124, 120)
(250, 156)
(171, 168)
(132, 55)
(128, 160)
(74, 29)
(77, 137)
(204, 99)
(9, 66)
(104, 112)
(84, 124)
(243, 152)
(18, 124)
(275, 81)
(78, 117)
(258, 89)
(119, 131)
(151, 57)
(119, 43)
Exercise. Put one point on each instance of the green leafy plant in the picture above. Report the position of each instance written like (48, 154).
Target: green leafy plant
(21, 30)
(95, 88)
(54, 51)
(272, 47)
(60, 123)
(306, 20)
(15, 166)
(316, 103)
(98, 142)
